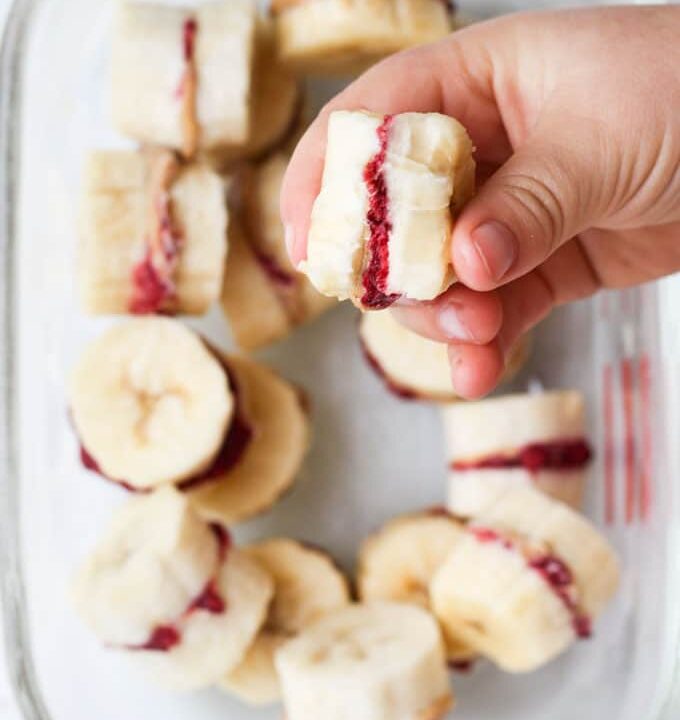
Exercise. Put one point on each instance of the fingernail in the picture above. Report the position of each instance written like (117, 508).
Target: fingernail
(290, 240)
(496, 245)
(452, 323)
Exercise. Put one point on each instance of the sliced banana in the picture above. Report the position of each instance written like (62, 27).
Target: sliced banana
(398, 562)
(307, 585)
(152, 55)
(212, 644)
(381, 225)
(530, 577)
(155, 557)
(414, 367)
(270, 463)
(150, 403)
(487, 440)
(276, 100)
(264, 297)
(326, 36)
(380, 661)
(120, 208)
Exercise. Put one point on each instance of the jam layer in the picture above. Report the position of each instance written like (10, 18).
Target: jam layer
(374, 278)
(164, 638)
(554, 572)
(569, 454)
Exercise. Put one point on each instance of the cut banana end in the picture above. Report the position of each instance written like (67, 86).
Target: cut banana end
(155, 557)
(123, 205)
(414, 367)
(530, 577)
(380, 661)
(170, 86)
(336, 36)
(398, 562)
(307, 585)
(531, 440)
(381, 225)
(150, 403)
(264, 297)
(272, 459)
(276, 101)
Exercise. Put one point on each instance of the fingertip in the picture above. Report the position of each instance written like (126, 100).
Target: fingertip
(475, 369)
(483, 255)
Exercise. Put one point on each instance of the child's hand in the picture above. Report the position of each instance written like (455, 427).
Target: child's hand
(576, 120)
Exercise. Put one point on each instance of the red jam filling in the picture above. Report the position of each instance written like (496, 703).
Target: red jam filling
(396, 389)
(189, 31)
(554, 572)
(461, 666)
(272, 269)
(450, 6)
(234, 446)
(164, 638)
(556, 455)
(375, 275)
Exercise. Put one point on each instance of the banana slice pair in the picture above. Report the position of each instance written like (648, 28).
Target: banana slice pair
(167, 589)
(381, 225)
(345, 36)
(181, 75)
(307, 585)
(530, 440)
(399, 561)
(413, 367)
(264, 297)
(153, 234)
(528, 578)
(379, 661)
(153, 405)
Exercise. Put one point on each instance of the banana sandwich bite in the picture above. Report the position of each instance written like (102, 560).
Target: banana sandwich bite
(153, 405)
(345, 36)
(182, 75)
(381, 224)
(170, 591)
(529, 578)
(264, 297)
(534, 440)
(153, 234)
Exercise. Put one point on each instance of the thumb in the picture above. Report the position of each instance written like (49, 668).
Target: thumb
(549, 190)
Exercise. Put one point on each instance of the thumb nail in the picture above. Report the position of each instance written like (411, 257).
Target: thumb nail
(496, 246)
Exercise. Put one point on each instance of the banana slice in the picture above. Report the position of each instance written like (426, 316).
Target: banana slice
(275, 105)
(528, 579)
(134, 207)
(181, 76)
(398, 562)
(380, 661)
(165, 588)
(270, 462)
(414, 367)
(381, 225)
(156, 556)
(327, 36)
(264, 297)
(307, 585)
(150, 403)
(531, 440)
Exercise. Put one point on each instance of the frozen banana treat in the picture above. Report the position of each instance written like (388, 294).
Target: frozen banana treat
(532, 440)
(346, 35)
(171, 592)
(529, 578)
(397, 563)
(379, 660)
(181, 75)
(154, 405)
(381, 225)
(153, 234)
(264, 297)
(414, 367)
(307, 585)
